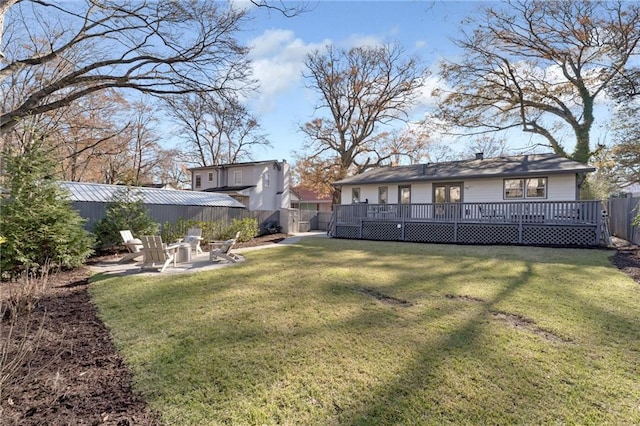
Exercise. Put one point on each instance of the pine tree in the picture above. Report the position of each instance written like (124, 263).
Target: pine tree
(37, 219)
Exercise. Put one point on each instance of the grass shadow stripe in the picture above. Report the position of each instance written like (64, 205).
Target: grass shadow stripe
(522, 323)
(388, 300)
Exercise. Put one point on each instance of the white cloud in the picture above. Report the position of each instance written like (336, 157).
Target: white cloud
(361, 40)
(278, 62)
(278, 57)
(426, 100)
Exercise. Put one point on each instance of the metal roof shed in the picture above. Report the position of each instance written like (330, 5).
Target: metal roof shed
(163, 205)
(102, 193)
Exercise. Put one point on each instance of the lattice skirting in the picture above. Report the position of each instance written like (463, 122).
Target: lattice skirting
(381, 231)
(487, 234)
(472, 233)
(345, 231)
(429, 232)
(559, 235)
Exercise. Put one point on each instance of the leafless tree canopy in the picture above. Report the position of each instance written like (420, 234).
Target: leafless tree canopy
(56, 53)
(215, 130)
(361, 90)
(540, 66)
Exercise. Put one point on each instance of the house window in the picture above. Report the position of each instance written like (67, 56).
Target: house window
(198, 181)
(267, 180)
(210, 176)
(355, 195)
(513, 188)
(447, 193)
(383, 195)
(237, 177)
(537, 188)
(404, 194)
(525, 188)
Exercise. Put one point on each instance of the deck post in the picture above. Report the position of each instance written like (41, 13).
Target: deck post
(520, 214)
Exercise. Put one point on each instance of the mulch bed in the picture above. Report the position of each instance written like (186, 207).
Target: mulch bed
(76, 377)
(627, 259)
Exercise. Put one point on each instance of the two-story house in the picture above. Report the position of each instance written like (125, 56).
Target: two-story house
(259, 185)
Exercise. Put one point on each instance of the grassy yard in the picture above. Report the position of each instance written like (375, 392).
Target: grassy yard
(369, 333)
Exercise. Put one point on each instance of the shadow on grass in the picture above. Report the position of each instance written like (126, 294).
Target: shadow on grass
(391, 402)
(391, 398)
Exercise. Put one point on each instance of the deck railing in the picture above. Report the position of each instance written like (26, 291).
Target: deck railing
(543, 212)
(555, 223)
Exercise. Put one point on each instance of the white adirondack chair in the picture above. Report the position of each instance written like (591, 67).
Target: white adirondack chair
(223, 249)
(157, 255)
(133, 245)
(193, 237)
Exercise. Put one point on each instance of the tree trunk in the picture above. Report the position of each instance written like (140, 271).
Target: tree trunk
(582, 151)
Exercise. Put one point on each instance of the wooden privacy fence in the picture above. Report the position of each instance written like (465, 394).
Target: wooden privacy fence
(559, 223)
(621, 214)
(162, 213)
(313, 220)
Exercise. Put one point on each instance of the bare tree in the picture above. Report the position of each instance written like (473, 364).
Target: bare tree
(143, 142)
(171, 169)
(215, 130)
(486, 145)
(624, 154)
(85, 134)
(157, 47)
(540, 66)
(362, 90)
(409, 145)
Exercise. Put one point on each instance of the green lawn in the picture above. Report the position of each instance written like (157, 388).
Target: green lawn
(371, 333)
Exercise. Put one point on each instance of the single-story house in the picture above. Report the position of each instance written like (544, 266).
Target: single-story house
(535, 177)
(258, 185)
(308, 199)
(522, 199)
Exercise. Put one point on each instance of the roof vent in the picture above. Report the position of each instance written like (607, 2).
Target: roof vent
(479, 155)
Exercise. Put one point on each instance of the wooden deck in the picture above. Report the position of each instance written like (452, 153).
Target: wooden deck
(540, 223)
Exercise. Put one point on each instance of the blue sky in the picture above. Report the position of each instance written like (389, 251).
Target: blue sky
(279, 46)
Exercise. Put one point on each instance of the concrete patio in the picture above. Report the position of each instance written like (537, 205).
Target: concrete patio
(198, 263)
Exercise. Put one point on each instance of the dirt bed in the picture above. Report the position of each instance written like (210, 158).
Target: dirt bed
(76, 377)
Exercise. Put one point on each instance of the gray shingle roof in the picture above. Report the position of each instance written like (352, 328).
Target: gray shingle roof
(518, 165)
(103, 193)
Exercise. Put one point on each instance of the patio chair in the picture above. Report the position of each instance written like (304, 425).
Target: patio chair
(133, 245)
(157, 255)
(223, 249)
(193, 237)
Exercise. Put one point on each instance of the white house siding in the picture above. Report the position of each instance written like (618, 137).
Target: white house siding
(283, 185)
(559, 188)
(259, 197)
(274, 197)
(562, 188)
(421, 193)
(368, 192)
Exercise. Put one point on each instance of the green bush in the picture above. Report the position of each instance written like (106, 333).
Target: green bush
(38, 223)
(126, 211)
(210, 230)
(248, 228)
(217, 230)
(174, 231)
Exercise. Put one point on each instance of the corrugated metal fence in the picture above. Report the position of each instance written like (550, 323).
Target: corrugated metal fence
(94, 211)
(621, 214)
